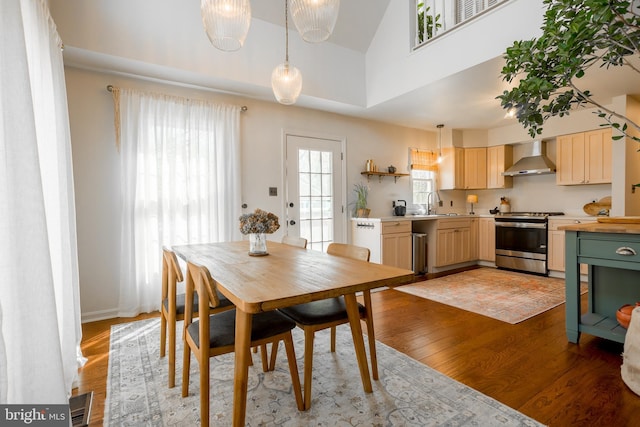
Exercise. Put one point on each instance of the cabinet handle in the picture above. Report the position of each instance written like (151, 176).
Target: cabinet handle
(625, 251)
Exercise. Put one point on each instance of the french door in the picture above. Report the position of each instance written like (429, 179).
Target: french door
(315, 189)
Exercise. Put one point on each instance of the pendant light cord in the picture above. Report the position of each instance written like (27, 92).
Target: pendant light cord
(286, 30)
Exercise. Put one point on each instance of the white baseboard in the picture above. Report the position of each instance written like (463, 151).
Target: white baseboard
(99, 315)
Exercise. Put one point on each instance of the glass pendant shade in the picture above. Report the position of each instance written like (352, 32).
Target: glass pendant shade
(286, 82)
(315, 19)
(226, 22)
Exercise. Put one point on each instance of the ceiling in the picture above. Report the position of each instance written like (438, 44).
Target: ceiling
(465, 100)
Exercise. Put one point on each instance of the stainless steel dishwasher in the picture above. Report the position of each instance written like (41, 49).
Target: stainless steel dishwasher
(419, 253)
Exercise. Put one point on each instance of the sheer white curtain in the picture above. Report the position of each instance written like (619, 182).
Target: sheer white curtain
(180, 177)
(40, 327)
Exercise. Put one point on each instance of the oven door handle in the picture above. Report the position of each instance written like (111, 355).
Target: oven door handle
(521, 224)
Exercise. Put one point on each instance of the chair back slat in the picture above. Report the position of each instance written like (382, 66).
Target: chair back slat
(299, 242)
(349, 251)
(204, 284)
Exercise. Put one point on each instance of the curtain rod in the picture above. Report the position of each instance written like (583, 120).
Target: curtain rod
(243, 108)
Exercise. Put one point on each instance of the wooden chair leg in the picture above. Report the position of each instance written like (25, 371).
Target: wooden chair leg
(263, 355)
(172, 352)
(274, 355)
(308, 366)
(163, 334)
(293, 368)
(204, 390)
(186, 365)
(333, 339)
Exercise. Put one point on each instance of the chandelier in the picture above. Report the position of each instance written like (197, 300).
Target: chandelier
(226, 22)
(286, 80)
(315, 19)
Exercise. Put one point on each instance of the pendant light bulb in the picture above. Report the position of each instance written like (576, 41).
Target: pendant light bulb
(315, 19)
(286, 80)
(226, 22)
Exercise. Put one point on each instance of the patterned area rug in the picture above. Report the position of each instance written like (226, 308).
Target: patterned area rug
(503, 295)
(407, 394)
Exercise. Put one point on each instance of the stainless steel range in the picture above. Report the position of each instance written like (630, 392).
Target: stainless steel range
(521, 241)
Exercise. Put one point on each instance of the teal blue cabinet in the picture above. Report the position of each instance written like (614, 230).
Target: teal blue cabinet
(613, 261)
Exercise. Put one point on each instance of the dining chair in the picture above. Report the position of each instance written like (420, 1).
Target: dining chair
(172, 308)
(266, 327)
(299, 242)
(329, 313)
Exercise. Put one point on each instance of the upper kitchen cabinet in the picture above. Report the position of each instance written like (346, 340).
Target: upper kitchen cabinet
(475, 168)
(584, 158)
(499, 159)
(451, 170)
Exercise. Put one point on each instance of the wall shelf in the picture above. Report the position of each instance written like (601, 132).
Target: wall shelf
(381, 174)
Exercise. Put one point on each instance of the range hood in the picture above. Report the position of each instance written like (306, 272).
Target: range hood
(534, 162)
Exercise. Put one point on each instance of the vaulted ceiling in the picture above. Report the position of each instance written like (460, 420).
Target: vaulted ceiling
(164, 40)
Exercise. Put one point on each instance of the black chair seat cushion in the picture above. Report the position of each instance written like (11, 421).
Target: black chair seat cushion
(222, 327)
(319, 312)
(181, 299)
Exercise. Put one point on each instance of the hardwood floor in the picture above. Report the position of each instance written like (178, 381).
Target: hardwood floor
(529, 366)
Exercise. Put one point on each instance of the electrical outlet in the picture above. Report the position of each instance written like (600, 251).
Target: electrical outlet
(451, 203)
(439, 203)
(273, 191)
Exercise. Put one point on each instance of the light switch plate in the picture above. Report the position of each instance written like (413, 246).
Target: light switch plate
(273, 191)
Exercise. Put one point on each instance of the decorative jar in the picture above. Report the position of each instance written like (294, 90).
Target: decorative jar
(258, 244)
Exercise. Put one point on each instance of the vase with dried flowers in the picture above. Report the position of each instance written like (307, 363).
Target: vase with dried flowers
(256, 225)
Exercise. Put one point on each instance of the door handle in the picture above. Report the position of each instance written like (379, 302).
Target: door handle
(292, 222)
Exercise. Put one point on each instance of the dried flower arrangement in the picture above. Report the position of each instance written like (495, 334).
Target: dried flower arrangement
(259, 222)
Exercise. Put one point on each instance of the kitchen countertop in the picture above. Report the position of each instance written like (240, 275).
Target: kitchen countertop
(419, 217)
(600, 227)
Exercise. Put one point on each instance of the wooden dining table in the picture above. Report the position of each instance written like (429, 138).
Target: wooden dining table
(286, 276)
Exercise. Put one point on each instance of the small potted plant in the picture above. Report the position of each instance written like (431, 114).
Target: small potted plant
(362, 192)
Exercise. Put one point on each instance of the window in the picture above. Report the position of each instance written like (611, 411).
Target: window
(422, 183)
(424, 166)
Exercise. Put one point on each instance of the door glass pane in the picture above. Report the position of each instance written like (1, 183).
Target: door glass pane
(316, 198)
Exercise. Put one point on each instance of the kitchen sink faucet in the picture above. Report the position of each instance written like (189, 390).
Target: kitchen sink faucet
(430, 208)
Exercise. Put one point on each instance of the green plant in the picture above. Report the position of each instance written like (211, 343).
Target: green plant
(362, 192)
(576, 36)
(422, 12)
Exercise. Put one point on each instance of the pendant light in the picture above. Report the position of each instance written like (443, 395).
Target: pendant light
(439, 143)
(315, 19)
(286, 80)
(226, 22)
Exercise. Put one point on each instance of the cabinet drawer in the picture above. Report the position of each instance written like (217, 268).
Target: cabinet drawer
(396, 227)
(444, 224)
(610, 250)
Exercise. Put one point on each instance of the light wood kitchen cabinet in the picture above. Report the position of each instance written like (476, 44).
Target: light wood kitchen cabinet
(475, 168)
(487, 239)
(584, 158)
(499, 159)
(453, 241)
(556, 243)
(396, 244)
(451, 170)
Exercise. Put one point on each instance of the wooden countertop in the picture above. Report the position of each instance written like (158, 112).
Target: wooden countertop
(601, 227)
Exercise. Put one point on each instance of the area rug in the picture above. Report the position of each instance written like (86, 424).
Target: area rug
(408, 393)
(503, 295)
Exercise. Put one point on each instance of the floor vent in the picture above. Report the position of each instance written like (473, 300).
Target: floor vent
(80, 407)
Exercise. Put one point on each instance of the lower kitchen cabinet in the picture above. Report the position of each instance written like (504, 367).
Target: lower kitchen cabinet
(487, 239)
(556, 243)
(396, 244)
(453, 241)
